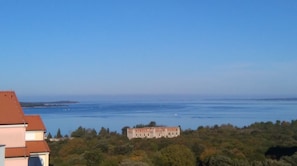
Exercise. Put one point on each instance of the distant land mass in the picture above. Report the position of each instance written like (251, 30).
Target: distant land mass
(278, 99)
(261, 99)
(47, 104)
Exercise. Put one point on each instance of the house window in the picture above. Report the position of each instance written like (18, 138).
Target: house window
(35, 160)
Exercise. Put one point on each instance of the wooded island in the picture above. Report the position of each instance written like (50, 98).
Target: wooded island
(47, 104)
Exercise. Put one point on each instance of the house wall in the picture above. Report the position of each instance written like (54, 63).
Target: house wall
(20, 161)
(12, 135)
(34, 135)
(2, 155)
(173, 132)
(130, 133)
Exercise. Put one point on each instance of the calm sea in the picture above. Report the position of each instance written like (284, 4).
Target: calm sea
(186, 113)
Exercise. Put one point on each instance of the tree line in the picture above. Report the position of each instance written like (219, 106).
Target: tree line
(259, 144)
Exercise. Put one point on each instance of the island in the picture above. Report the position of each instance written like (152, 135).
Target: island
(47, 104)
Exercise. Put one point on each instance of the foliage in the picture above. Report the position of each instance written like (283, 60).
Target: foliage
(206, 146)
(82, 132)
(151, 124)
(49, 136)
(176, 155)
(59, 135)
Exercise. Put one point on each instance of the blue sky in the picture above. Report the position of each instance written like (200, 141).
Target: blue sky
(120, 47)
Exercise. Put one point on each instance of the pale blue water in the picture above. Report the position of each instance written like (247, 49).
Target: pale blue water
(188, 114)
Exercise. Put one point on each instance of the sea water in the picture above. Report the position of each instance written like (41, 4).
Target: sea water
(188, 114)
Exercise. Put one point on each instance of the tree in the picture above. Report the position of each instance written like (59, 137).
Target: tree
(124, 130)
(79, 132)
(74, 146)
(49, 136)
(133, 163)
(219, 160)
(152, 124)
(122, 149)
(90, 133)
(59, 135)
(93, 157)
(176, 155)
(103, 132)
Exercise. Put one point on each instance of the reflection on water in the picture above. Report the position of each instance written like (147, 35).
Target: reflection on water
(186, 114)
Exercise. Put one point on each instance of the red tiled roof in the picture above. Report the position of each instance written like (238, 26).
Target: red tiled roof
(37, 146)
(10, 109)
(34, 123)
(31, 147)
(16, 152)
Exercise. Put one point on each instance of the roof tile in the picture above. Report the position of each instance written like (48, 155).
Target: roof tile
(10, 109)
(34, 123)
(37, 146)
(16, 152)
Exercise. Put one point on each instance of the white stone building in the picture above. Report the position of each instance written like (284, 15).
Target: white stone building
(153, 132)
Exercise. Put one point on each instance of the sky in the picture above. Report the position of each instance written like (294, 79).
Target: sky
(148, 47)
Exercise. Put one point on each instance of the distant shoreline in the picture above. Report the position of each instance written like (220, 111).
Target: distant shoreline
(47, 104)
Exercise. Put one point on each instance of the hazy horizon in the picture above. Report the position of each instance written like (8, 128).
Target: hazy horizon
(144, 98)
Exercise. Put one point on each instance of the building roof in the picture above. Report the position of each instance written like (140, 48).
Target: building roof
(11, 114)
(16, 152)
(10, 109)
(151, 128)
(37, 146)
(31, 147)
(34, 123)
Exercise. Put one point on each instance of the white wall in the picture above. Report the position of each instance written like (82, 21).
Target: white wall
(2, 155)
(34, 135)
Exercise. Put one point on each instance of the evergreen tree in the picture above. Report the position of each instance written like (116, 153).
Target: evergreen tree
(124, 130)
(79, 132)
(152, 124)
(59, 135)
(49, 136)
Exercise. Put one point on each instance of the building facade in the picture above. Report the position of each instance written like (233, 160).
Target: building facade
(35, 134)
(23, 136)
(153, 132)
(2, 154)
